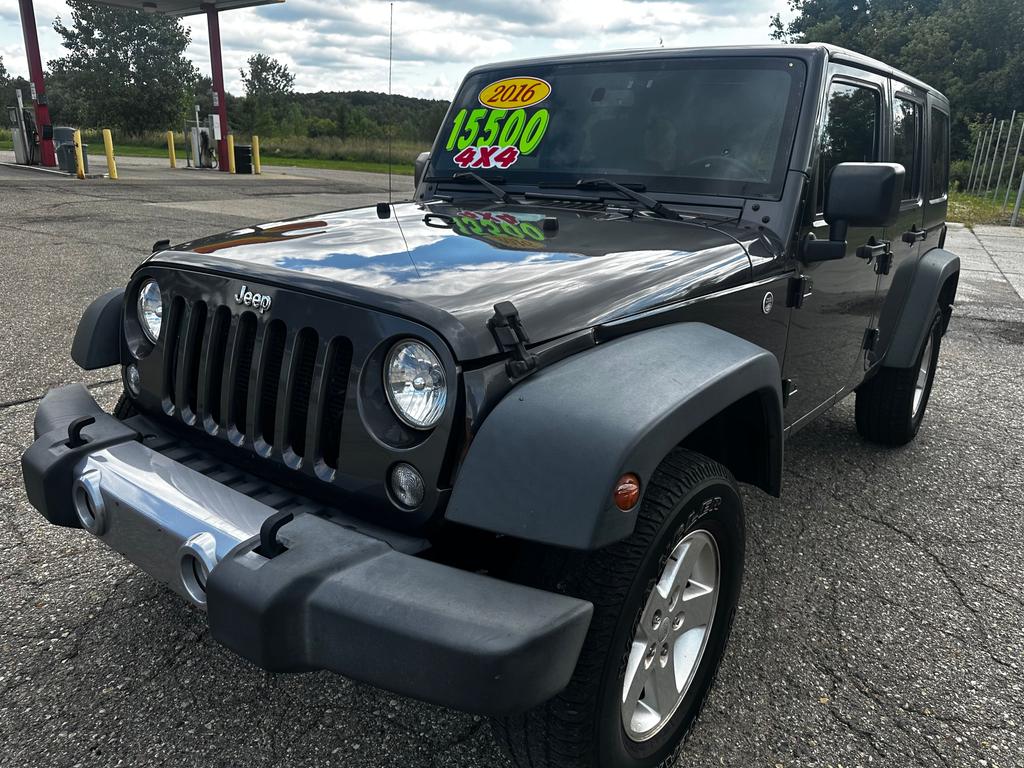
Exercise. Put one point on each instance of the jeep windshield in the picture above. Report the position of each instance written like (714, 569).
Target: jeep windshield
(710, 126)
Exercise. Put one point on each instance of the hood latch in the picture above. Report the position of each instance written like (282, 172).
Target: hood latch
(508, 330)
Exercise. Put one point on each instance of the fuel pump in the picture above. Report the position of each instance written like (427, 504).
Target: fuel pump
(202, 147)
(23, 133)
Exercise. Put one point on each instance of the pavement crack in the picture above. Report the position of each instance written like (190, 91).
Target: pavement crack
(939, 563)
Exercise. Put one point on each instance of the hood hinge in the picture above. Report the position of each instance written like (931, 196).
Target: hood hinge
(508, 330)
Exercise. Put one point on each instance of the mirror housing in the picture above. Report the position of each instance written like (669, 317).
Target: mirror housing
(420, 166)
(858, 195)
(864, 194)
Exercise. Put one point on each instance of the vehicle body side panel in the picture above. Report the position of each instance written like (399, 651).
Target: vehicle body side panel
(545, 462)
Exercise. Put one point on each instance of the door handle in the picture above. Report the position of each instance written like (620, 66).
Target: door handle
(874, 249)
(914, 236)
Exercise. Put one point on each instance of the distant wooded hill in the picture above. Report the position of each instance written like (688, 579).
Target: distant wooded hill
(347, 115)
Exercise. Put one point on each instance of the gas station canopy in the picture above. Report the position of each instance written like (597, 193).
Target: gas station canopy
(184, 7)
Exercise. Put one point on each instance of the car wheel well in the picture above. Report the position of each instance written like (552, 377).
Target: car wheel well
(740, 437)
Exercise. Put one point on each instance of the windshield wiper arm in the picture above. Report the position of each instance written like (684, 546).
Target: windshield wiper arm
(646, 200)
(490, 186)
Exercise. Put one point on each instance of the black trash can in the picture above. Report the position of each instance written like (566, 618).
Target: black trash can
(66, 157)
(243, 158)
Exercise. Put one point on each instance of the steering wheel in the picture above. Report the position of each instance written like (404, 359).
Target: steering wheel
(740, 165)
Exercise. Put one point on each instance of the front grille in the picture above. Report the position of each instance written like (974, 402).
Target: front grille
(276, 389)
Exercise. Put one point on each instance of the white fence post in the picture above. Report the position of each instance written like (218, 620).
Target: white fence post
(1006, 149)
(974, 162)
(1013, 169)
(984, 158)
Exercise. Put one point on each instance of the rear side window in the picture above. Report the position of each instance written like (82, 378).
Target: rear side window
(850, 131)
(938, 172)
(906, 128)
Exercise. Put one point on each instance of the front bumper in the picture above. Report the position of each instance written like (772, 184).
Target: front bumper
(335, 598)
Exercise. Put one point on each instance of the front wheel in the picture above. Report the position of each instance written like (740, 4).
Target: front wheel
(664, 601)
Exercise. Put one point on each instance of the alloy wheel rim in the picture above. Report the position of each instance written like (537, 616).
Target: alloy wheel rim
(921, 385)
(670, 638)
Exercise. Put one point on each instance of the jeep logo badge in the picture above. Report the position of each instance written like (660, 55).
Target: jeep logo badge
(258, 301)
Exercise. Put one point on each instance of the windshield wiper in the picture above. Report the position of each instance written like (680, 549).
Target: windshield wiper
(647, 201)
(491, 187)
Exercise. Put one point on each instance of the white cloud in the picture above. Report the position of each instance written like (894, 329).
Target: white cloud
(344, 46)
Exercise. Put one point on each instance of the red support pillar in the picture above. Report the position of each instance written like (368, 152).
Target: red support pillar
(217, 74)
(35, 74)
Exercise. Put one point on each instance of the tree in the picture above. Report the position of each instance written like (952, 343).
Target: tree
(971, 50)
(267, 77)
(4, 77)
(268, 108)
(124, 69)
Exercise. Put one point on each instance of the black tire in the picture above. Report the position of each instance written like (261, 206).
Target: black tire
(583, 726)
(885, 403)
(125, 408)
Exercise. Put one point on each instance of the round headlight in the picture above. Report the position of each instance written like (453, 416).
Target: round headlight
(151, 309)
(415, 383)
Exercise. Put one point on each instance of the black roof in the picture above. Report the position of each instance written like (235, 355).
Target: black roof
(803, 51)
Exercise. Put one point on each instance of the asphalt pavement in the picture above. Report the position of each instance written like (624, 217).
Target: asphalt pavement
(881, 621)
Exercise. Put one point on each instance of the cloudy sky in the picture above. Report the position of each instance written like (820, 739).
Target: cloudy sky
(338, 45)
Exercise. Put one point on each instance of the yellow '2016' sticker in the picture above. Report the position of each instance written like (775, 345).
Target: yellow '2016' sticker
(515, 92)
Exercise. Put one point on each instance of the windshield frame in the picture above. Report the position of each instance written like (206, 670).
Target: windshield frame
(654, 185)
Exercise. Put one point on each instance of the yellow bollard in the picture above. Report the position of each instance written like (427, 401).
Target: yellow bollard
(231, 153)
(108, 146)
(79, 160)
(256, 167)
(170, 149)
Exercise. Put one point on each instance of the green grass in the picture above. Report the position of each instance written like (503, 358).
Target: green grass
(972, 210)
(399, 169)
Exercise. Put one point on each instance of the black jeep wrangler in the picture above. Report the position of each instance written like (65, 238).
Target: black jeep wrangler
(483, 448)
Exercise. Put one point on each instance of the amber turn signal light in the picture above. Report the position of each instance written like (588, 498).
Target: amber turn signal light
(627, 492)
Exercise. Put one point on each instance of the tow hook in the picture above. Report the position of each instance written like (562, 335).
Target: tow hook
(269, 546)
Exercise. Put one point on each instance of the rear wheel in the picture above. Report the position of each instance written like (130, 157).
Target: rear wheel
(891, 405)
(664, 600)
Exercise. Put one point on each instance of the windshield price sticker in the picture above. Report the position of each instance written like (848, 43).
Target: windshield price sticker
(497, 135)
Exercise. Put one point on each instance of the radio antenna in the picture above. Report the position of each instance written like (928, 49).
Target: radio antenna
(391, 106)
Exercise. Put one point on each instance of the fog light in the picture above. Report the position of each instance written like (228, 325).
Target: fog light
(133, 379)
(407, 485)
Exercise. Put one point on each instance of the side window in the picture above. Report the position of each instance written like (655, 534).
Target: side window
(906, 147)
(850, 131)
(938, 172)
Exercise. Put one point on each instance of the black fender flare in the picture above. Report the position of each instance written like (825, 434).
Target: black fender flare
(544, 463)
(97, 341)
(907, 322)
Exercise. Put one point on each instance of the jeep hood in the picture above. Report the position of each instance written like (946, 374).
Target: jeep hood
(447, 266)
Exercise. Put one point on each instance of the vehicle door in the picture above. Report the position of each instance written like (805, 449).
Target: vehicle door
(907, 236)
(836, 300)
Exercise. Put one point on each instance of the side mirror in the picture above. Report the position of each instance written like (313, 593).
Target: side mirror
(420, 166)
(858, 195)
